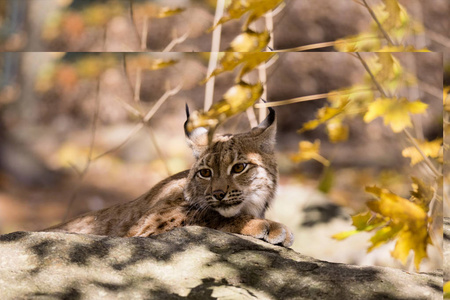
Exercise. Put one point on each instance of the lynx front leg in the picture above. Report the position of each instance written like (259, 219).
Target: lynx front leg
(270, 231)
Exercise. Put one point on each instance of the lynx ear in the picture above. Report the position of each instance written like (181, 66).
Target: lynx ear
(197, 139)
(265, 132)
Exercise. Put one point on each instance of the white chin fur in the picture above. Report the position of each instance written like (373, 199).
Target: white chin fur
(230, 211)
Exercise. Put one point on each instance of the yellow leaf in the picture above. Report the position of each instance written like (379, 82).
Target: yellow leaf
(237, 99)
(422, 193)
(343, 235)
(409, 223)
(250, 41)
(446, 98)
(395, 207)
(417, 240)
(256, 9)
(252, 60)
(367, 221)
(429, 148)
(447, 288)
(324, 114)
(384, 235)
(337, 132)
(394, 14)
(395, 112)
(362, 222)
(165, 12)
(231, 60)
(308, 151)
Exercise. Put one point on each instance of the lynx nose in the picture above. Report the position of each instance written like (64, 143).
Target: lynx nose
(219, 194)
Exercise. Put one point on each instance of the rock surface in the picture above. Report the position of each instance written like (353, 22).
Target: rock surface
(188, 263)
(446, 247)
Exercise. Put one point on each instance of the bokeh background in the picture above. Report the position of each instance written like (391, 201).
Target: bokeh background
(135, 25)
(72, 140)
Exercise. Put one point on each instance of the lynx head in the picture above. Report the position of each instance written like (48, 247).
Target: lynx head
(235, 173)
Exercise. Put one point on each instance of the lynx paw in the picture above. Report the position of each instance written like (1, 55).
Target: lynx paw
(270, 231)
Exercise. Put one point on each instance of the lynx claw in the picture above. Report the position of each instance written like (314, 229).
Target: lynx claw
(280, 234)
(272, 232)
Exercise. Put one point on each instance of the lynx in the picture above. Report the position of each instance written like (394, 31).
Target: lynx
(229, 188)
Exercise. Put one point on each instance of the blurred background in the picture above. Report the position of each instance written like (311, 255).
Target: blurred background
(72, 138)
(182, 25)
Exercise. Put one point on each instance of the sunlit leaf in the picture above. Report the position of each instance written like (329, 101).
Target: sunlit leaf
(324, 114)
(256, 9)
(447, 289)
(395, 207)
(337, 131)
(345, 234)
(408, 223)
(250, 41)
(429, 148)
(326, 181)
(165, 12)
(231, 60)
(415, 239)
(308, 151)
(236, 100)
(362, 222)
(422, 193)
(384, 235)
(392, 7)
(446, 97)
(394, 111)
(252, 60)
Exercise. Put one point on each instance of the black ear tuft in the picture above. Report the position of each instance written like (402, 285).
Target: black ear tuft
(186, 132)
(268, 120)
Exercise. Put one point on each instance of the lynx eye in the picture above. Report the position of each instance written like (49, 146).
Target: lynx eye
(205, 173)
(238, 168)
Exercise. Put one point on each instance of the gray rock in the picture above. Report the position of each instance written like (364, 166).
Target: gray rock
(446, 249)
(188, 263)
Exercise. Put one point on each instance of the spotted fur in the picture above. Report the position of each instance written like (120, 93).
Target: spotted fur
(229, 188)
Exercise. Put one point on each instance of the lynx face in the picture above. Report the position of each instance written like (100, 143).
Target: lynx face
(236, 173)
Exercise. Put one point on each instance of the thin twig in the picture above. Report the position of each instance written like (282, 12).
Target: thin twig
(269, 27)
(135, 129)
(374, 80)
(160, 101)
(144, 34)
(438, 38)
(263, 78)
(131, 7)
(215, 46)
(433, 169)
(326, 44)
(158, 149)
(291, 101)
(144, 120)
(374, 17)
(308, 47)
(176, 41)
(105, 29)
(137, 85)
(82, 173)
(251, 117)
